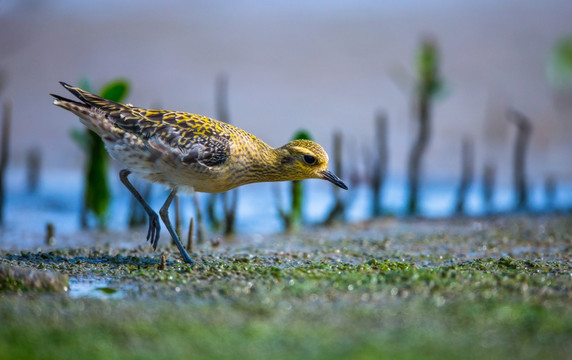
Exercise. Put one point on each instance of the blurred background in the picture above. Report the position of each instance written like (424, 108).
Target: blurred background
(321, 66)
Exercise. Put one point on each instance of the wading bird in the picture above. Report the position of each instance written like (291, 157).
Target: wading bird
(181, 150)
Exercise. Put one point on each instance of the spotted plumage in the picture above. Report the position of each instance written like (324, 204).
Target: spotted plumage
(180, 149)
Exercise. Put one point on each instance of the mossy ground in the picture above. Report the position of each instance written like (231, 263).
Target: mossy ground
(496, 288)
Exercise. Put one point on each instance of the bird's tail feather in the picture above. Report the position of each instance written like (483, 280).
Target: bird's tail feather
(90, 109)
(86, 109)
(80, 109)
(90, 99)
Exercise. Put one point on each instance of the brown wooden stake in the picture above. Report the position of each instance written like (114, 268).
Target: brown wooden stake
(163, 264)
(190, 235)
(524, 130)
(50, 234)
(379, 167)
(467, 161)
(489, 174)
(337, 212)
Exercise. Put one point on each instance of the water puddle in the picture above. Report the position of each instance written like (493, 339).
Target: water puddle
(93, 288)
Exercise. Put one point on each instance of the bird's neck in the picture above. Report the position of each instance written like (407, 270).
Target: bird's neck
(265, 164)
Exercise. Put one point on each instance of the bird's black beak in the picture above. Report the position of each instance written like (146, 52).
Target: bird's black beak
(331, 177)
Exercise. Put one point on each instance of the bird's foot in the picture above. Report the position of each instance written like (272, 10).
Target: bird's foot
(154, 230)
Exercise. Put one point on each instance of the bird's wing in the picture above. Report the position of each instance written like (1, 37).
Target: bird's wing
(189, 138)
(194, 139)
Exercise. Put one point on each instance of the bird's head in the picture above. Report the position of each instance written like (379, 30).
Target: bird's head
(304, 159)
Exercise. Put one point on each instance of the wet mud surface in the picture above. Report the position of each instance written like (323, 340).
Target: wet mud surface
(494, 288)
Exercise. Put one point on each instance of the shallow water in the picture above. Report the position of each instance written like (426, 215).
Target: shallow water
(93, 288)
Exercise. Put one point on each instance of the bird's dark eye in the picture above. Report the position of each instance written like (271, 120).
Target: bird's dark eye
(309, 159)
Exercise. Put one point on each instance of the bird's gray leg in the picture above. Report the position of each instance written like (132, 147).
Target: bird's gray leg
(164, 212)
(154, 224)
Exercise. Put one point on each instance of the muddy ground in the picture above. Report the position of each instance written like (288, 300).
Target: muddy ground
(464, 288)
